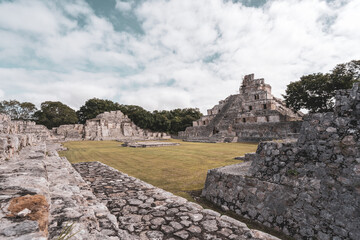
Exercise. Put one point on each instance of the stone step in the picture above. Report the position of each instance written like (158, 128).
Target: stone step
(148, 212)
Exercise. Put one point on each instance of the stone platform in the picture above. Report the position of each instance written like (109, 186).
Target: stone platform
(41, 194)
(147, 212)
(149, 144)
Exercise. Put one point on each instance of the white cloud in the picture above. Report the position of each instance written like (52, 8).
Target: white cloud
(72, 88)
(124, 6)
(191, 54)
(155, 98)
(33, 17)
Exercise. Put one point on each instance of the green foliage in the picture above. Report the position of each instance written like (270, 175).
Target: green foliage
(94, 107)
(66, 232)
(159, 121)
(54, 114)
(316, 92)
(138, 115)
(18, 110)
(292, 172)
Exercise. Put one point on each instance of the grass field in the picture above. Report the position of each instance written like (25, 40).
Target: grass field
(177, 169)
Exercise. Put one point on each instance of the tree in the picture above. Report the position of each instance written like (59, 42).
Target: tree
(159, 121)
(94, 107)
(17, 110)
(316, 92)
(54, 114)
(141, 117)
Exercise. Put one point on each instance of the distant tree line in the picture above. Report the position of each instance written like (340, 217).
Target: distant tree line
(171, 121)
(53, 114)
(314, 92)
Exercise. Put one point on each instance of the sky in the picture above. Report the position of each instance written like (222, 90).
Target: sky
(162, 54)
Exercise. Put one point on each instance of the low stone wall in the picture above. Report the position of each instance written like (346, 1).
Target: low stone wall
(266, 131)
(69, 132)
(250, 132)
(308, 188)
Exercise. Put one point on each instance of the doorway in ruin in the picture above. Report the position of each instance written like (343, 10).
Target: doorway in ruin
(215, 131)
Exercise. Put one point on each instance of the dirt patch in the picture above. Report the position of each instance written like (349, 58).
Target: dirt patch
(36, 204)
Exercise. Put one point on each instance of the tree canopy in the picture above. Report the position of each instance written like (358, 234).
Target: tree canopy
(160, 121)
(315, 92)
(94, 107)
(17, 110)
(54, 114)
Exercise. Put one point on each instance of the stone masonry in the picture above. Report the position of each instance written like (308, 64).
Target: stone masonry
(41, 194)
(252, 115)
(147, 212)
(14, 135)
(309, 187)
(112, 125)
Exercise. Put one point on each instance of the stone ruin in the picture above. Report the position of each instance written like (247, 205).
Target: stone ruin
(42, 194)
(252, 115)
(148, 144)
(112, 125)
(15, 135)
(308, 188)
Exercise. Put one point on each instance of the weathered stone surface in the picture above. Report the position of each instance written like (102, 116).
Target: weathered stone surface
(308, 188)
(41, 194)
(165, 217)
(112, 125)
(149, 144)
(252, 115)
(29, 185)
(34, 207)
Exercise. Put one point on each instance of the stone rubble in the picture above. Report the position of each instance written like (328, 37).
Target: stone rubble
(147, 212)
(308, 188)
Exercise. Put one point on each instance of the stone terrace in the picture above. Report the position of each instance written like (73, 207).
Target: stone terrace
(41, 194)
(308, 188)
(147, 212)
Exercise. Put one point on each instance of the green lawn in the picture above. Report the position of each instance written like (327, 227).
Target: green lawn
(177, 169)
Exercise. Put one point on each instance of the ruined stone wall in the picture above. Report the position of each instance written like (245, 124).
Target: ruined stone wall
(266, 131)
(7, 126)
(42, 195)
(69, 132)
(251, 132)
(15, 135)
(253, 104)
(308, 188)
(112, 125)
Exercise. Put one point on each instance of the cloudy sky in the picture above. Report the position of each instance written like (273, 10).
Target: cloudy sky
(162, 54)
